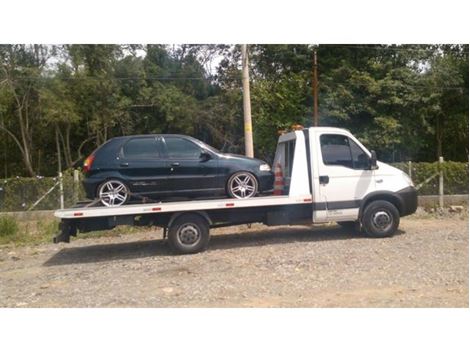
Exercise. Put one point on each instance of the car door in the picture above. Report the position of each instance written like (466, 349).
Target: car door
(142, 166)
(344, 175)
(187, 171)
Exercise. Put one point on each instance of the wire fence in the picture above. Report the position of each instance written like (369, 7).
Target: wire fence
(39, 193)
(43, 193)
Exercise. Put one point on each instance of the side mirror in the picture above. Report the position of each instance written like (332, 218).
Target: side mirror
(205, 155)
(373, 160)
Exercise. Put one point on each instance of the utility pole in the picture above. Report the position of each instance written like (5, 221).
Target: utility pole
(247, 103)
(315, 88)
(59, 167)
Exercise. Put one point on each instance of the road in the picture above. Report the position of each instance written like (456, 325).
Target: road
(424, 265)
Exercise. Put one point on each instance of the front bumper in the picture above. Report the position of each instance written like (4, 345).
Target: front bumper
(409, 200)
(266, 181)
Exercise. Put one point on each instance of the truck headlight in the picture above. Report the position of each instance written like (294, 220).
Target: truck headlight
(408, 179)
(264, 167)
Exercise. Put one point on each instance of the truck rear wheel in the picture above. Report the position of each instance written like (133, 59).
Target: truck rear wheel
(189, 234)
(380, 219)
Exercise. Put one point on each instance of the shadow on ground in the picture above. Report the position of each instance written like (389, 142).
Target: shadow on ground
(142, 249)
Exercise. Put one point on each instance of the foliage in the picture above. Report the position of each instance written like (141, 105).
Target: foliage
(408, 102)
(8, 226)
(21, 193)
(455, 176)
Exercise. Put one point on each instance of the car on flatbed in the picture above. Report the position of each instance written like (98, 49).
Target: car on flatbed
(168, 166)
(324, 174)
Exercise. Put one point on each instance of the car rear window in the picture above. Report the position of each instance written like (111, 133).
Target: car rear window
(141, 148)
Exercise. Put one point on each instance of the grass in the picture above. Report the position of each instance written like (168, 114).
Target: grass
(8, 227)
(33, 232)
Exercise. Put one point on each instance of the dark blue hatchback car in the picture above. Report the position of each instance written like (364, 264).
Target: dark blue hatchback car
(168, 166)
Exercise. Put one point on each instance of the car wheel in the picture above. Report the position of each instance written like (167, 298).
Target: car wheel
(113, 193)
(380, 219)
(189, 234)
(242, 185)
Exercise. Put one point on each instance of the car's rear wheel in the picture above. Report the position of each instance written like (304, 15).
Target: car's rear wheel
(242, 185)
(113, 193)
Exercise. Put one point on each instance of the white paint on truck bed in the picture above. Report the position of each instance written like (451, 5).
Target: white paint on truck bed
(194, 205)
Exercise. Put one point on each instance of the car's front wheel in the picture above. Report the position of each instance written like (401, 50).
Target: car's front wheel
(242, 185)
(113, 193)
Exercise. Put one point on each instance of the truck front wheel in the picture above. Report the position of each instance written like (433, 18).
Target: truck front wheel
(380, 219)
(189, 234)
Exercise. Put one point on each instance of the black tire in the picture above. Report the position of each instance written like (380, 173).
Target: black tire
(189, 234)
(352, 226)
(253, 183)
(380, 219)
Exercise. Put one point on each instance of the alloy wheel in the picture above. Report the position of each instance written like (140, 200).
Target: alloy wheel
(243, 185)
(113, 193)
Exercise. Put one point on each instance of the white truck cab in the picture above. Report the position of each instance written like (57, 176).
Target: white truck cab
(322, 174)
(342, 176)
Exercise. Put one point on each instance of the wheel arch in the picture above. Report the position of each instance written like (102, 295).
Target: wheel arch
(382, 195)
(176, 215)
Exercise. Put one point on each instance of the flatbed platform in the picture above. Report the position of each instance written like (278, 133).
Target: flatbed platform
(180, 206)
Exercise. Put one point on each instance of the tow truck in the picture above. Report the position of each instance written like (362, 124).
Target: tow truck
(325, 174)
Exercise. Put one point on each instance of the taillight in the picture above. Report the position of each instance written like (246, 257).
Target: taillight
(87, 163)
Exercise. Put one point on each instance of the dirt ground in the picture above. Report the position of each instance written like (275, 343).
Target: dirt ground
(424, 265)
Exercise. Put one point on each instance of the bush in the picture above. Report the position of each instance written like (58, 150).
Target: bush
(455, 176)
(21, 193)
(8, 226)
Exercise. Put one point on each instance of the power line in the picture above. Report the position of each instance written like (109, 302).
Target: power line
(377, 47)
(112, 78)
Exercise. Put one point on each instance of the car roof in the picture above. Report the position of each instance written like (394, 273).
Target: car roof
(153, 135)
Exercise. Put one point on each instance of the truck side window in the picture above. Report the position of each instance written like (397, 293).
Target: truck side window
(335, 150)
(360, 158)
(340, 150)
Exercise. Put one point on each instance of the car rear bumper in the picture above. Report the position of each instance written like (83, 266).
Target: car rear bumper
(90, 184)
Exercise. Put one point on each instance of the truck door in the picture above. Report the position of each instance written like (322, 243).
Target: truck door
(344, 176)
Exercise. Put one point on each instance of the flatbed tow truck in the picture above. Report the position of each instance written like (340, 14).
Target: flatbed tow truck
(327, 175)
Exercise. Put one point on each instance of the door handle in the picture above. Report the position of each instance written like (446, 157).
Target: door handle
(124, 164)
(175, 164)
(324, 180)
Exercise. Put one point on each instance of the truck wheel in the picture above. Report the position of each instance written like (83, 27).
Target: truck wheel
(380, 219)
(189, 234)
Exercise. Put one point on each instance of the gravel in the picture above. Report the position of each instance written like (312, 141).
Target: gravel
(424, 265)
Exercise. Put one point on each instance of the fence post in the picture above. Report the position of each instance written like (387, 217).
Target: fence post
(61, 190)
(409, 169)
(441, 183)
(75, 186)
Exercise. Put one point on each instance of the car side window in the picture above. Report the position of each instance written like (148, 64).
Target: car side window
(180, 148)
(141, 148)
(340, 150)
